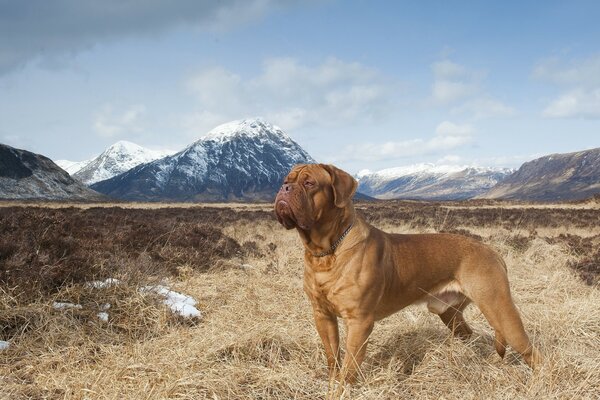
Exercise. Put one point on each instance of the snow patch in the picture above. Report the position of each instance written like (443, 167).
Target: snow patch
(4, 345)
(178, 303)
(253, 128)
(419, 168)
(363, 172)
(108, 282)
(57, 305)
(72, 167)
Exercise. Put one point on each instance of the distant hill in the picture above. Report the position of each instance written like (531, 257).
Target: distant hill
(431, 182)
(72, 166)
(27, 176)
(116, 159)
(556, 177)
(239, 161)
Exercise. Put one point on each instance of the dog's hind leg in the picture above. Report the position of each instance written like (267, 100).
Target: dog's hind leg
(500, 344)
(492, 296)
(449, 302)
(454, 320)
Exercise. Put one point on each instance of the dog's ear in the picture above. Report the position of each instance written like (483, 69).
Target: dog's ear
(343, 184)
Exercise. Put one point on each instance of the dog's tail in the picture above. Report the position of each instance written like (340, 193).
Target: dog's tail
(500, 344)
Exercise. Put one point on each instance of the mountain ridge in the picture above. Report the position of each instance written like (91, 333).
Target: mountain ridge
(243, 160)
(114, 160)
(559, 176)
(428, 181)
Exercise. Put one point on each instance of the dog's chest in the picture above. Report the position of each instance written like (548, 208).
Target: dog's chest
(323, 288)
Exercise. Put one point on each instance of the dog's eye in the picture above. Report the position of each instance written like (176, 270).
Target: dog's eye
(309, 184)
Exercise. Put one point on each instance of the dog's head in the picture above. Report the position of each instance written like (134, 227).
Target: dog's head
(311, 193)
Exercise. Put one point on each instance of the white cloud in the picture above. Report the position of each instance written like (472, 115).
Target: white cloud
(447, 136)
(454, 82)
(513, 161)
(580, 83)
(201, 121)
(577, 103)
(448, 128)
(68, 27)
(292, 94)
(462, 89)
(484, 107)
(110, 123)
(216, 86)
(446, 91)
(583, 72)
(447, 69)
(450, 159)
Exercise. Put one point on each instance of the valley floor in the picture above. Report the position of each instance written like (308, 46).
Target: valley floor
(256, 338)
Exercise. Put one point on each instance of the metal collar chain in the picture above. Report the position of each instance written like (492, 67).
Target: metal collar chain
(335, 244)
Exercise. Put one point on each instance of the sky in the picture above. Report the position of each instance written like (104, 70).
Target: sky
(360, 84)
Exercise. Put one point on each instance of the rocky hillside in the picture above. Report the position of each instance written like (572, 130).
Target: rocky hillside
(556, 177)
(27, 176)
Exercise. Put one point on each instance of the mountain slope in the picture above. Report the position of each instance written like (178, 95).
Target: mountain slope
(240, 160)
(569, 176)
(431, 182)
(25, 175)
(116, 159)
(72, 166)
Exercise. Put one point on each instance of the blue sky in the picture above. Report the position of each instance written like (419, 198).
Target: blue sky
(361, 84)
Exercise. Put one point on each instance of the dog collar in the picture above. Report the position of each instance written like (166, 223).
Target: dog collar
(336, 243)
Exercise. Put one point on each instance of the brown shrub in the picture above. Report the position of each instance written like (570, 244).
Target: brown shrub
(44, 249)
(587, 251)
(519, 242)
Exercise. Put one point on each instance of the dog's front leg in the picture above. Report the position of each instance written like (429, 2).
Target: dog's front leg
(327, 326)
(359, 330)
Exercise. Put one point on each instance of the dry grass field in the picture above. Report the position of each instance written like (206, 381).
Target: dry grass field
(256, 338)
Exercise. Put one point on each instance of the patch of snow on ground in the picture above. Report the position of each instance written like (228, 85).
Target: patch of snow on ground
(57, 305)
(108, 282)
(4, 345)
(178, 303)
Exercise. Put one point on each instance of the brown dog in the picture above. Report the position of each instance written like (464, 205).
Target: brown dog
(359, 273)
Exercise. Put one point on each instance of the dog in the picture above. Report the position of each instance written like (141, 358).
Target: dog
(359, 273)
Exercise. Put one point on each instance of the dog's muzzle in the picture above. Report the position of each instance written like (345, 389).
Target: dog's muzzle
(283, 210)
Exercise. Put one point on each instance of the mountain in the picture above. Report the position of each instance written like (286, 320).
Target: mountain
(240, 160)
(569, 176)
(25, 175)
(116, 159)
(72, 166)
(430, 182)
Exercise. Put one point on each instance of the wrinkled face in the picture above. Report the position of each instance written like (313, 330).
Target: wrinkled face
(310, 192)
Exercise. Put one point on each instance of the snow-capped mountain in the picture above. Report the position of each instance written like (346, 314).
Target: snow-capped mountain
(116, 159)
(29, 176)
(72, 166)
(239, 160)
(430, 182)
